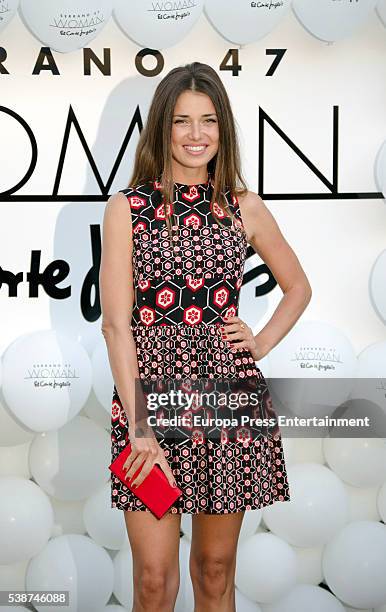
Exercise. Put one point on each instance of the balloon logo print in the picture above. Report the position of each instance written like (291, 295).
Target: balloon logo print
(80, 24)
(66, 25)
(157, 25)
(8, 10)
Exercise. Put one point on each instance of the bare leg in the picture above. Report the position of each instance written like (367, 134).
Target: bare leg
(155, 549)
(213, 560)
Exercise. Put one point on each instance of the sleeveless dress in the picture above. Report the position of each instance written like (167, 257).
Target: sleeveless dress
(183, 294)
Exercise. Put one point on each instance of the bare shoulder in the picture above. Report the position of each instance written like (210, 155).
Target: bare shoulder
(117, 219)
(251, 202)
(117, 207)
(256, 216)
(117, 203)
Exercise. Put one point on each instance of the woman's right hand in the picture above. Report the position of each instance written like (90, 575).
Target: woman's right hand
(146, 451)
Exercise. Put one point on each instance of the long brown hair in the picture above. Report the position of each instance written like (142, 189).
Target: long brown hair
(153, 154)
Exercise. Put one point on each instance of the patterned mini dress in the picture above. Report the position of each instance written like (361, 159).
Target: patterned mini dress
(184, 291)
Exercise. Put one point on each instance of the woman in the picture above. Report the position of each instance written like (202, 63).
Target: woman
(169, 312)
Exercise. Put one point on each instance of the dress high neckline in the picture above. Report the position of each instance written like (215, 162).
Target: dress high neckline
(187, 186)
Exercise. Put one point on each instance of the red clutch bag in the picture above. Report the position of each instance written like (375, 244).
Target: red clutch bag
(155, 491)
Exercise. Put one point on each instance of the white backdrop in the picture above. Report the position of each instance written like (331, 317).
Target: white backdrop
(337, 240)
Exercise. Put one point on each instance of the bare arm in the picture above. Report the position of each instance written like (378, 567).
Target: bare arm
(265, 237)
(117, 297)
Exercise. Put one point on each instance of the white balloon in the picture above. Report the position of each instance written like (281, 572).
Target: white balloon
(123, 571)
(157, 25)
(263, 364)
(362, 503)
(105, 525)
(80, 330)
(8, 10)
(349, 609)
(371, 374)
(309, 564)
(96, 412)
(381, 502)
(380, 163)
(318, 508)
(12, 577)
(245, 22)
(12, 432)
(66, 25)
(360, 462)
(354, 564)
(15, 608)
(102, 378)
(273, 571)
(47, 379)
(14, 460)
(305, 597)
(304, 450)
(381, 10)
(26, 519)
(72, 462)
(314, 349)
(289, 449)
(250, 524)
(312, 369)
(377, 285)
(76, 564)
(329, 20)
(68, 517)
(244, 604)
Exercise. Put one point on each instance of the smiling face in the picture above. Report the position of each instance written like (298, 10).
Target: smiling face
(194, 137)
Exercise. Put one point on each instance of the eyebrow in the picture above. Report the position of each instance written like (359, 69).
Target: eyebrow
(206, 115)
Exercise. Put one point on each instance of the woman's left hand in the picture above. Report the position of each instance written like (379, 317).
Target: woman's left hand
(236, 329)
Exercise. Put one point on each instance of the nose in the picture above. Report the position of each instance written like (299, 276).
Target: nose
(195, 130)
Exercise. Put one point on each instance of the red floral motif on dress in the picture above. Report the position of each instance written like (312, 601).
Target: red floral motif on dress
(193, 315)
(147, 315)
(230, 312)
(139, 227)
(186, 386)
(195, 283)
(221, 296)
(243, 434)
(160, 213)
(122, 418)
(144, 284)
(197, 435)
(218, 211)
(115, 410)
(137, 202)
(165, 297)
(224, 436)
(192, 194)
(193, 220)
